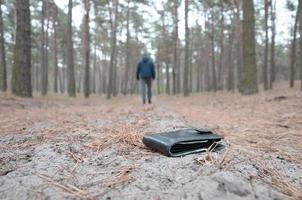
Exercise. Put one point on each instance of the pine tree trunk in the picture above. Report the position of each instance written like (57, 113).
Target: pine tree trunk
(44, 60)
(126, 75)
(166, 52)
(86, 50)
(3, 78)
(99, 70)
(104, 77)
(300, 40)
(207, 55)
(167, 78)
(214, 82)
(190, 68)
(95, 70)
(21, 77)
(71, 86)
(272, 61)
(265, 62)
(198, 63)
(37, 78)
(186, 67)
(115, 75)
(111, 83)
(176, 70)
(231, 72)
(221, 63)
(249, 79)
(55, 49)
(238, 44)
(63, 72)
(293, 51)
(60, 77)
(158, 77)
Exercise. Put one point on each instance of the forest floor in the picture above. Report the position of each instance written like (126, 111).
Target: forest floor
(56, 147)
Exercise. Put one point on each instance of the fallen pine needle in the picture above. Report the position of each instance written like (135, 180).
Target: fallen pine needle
(72, 190)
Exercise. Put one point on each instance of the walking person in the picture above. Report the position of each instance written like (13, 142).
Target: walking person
(145, 73)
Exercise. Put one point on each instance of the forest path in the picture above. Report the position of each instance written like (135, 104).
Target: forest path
(91, 149)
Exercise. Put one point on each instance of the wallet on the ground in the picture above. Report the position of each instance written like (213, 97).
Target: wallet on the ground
(182, 142)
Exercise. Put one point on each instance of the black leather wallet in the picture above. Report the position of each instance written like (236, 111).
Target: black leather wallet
(182, 142)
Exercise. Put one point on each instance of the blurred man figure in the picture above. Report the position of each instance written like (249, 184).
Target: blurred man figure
(145, 72)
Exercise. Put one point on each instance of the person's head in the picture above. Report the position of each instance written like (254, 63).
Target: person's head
(145, 56)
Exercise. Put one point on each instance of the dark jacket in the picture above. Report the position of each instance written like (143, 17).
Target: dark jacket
(145, 69)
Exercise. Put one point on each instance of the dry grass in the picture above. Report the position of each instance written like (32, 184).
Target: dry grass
(122, 177)
(266, 172)
(272, 176)
(211, 158)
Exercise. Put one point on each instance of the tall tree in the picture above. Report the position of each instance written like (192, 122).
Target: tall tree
(86, 50)
(96, 67)
(213, 68)
(3, 79)
(186, 67)
(176, 66)
(300, 39)
(293, 51)
(44, 48)
(249, 79)
(166, 50)
(238, 41)
(113, 23)
(69, 51)
(21, 75)
(54, 45)
(127, 64)
(273, 35)
(231, 71)
(265, 63)
(207, 52)
(221, 55)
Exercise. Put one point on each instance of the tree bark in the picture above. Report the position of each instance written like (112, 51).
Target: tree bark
(158, 65)
(127, 67)
(55, 48)
(86, 50)
(300, 39)
(186, 67)
(265, 62)
(238, 44)
(207, 54)
(214, 82)
(167, 78)
(70, 62)
(3, 75)
(293, 50)
(221, 63)
(231, 72)
(273, 30)
(166, 52)
(111, 87)
(21, 77)
(95, 66)
(176, 65)
(249, 79)
(44, 50)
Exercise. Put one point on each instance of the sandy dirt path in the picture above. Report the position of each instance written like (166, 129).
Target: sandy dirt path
(76, 149)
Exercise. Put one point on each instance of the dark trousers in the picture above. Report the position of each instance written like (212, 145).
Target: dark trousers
(146, 82)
